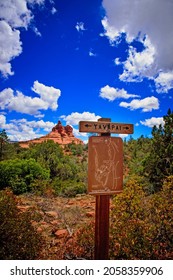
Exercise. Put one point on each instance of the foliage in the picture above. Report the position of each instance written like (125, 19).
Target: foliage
(82, 244)
(141, 226)
(21, 175)
(47, 154)
(67, 168)
(18, 238)
(3, 144)
(159, 163)
(161, 217)
(135, 154)
(129, 238)
(75, 150)
(67, 173)
(69, 188)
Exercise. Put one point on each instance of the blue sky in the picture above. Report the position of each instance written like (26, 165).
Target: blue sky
(84, 59)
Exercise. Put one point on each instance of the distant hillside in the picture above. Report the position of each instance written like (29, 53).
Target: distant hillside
(60, 134)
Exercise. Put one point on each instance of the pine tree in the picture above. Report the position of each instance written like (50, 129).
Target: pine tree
(159, 164)
(3, 141)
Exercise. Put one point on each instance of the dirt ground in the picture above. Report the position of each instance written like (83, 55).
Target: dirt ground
(58, 220)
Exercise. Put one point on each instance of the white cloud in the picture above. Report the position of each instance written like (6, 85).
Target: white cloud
(47, 126)
(112, 93)
(117, 61)
(80, 26)
(49, 95)
(139, 64)
(36, 31)
(5, 96)
(38, 2)
(147, 104)
(22, 129)
(25, 104)
(75, 118)
(54, 11)
(14, 14)
(164, 81)
(10, 47)
(123, 135)
(153, 121)
(79, 134)
(110, 31)
(138, 19)
(91, 53)
(2, 121)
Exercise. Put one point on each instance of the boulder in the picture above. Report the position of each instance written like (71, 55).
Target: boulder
(60, 233)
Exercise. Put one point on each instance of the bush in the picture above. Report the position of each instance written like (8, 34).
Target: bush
(20, 175)
(69, 188)
(81, 246)
(18, 238)
(161, 218)
(142, 226)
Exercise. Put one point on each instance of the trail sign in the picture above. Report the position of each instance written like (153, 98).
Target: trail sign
(105, 127)
(105, 174)
(105, 165)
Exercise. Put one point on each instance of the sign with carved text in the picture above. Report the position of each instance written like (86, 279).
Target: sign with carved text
(105, 127)
(105, 165)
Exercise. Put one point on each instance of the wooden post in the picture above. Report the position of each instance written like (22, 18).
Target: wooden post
(102, 221)
(102, 227)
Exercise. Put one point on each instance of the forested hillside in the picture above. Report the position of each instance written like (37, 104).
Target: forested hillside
(141, 216)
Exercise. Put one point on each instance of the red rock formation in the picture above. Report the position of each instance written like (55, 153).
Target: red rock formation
(60, 134)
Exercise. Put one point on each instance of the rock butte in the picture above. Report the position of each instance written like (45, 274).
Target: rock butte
(60, 134)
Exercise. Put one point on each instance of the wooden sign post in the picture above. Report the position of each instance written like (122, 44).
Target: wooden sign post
(105, 174)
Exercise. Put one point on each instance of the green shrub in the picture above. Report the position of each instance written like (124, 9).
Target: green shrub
(18, 238)
(20, 175)
(69, 188)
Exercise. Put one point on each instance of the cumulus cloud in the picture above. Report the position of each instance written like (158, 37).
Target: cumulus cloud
(10, 47)
(14, 15)
(2, 121)
(75, 118)
(17, 101)
(139, 64)
(22, 129)
(112, 93)
(5, 96)
(153, 121)
(26, 104)
(164, 81)
(111, 31)
(147, 104)
(141, 19)
(49, 95)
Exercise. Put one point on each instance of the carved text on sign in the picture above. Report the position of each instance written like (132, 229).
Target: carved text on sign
(105, 127)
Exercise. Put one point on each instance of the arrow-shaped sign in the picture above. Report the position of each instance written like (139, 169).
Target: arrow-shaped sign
(105, 127)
